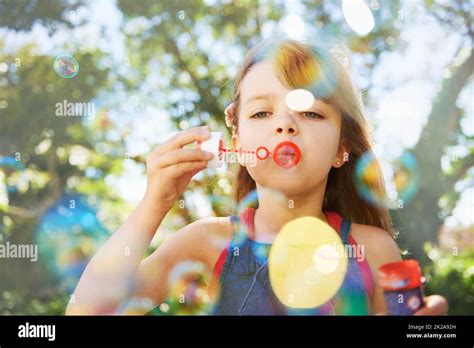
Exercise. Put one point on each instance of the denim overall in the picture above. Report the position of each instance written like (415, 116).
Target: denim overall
(245, 287)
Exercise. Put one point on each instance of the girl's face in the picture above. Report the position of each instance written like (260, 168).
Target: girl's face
(265, 120)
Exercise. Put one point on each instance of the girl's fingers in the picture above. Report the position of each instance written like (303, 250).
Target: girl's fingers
(179, 169)
(183, 138)
(183, 155)
(194, 172)
(434, 305)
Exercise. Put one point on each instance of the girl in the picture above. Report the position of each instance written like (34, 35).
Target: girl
(330, 135)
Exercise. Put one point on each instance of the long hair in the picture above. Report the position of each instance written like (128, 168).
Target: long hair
(310, 66)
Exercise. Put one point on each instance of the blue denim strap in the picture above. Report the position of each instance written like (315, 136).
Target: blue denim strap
(344, 232)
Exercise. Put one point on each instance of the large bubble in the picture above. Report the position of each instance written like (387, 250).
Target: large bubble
(318, 74)
(401, 179)
(307, 264)
(68, 235)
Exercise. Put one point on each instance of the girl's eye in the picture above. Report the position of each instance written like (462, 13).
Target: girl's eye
(260, 114)
(311, 114)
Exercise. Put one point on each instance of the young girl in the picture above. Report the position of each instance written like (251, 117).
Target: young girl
(330, 135)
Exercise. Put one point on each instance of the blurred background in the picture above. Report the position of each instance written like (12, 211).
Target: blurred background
(87, 88)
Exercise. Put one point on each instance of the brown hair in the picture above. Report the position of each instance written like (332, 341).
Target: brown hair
(299, 65)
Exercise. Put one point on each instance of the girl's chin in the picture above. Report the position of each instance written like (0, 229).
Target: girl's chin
(287, 189)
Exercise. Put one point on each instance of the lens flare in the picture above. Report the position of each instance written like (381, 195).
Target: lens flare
(303, 272)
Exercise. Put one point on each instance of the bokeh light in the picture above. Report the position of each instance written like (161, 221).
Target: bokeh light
(68, 235)
(66, 66)
(299, 100)
(401, 179)
(11, 170)
(293, 26)
(358, 16)
(296, 261)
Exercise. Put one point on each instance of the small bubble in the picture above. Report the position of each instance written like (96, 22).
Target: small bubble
(66, 66)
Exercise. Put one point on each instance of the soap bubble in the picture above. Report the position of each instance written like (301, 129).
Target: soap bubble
(66, 66)
(305, 268)
(400, 174)
(68, 235)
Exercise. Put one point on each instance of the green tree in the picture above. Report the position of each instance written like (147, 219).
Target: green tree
(41, 142)
(422, 219)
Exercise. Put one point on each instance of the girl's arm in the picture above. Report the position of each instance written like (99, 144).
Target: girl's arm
(109, 278)
(200, 243)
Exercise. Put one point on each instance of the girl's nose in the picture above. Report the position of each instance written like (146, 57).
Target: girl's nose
(286, 125)
(290, 130)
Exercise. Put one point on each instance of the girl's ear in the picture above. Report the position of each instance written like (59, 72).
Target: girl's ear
(229, 114)
(342, 157)
(235, 141)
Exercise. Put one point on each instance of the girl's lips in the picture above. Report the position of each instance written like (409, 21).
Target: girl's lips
(287, 154)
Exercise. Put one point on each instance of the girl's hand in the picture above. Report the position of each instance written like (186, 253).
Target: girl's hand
(170, 167)
(434, 305)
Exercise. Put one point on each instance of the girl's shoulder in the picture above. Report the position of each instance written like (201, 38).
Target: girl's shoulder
(377, 242)
(378, 245)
